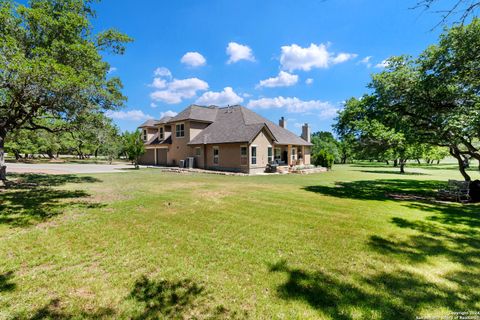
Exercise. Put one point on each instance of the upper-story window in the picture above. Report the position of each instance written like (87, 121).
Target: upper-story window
(161, 134)
(144, 134)
(180, 130)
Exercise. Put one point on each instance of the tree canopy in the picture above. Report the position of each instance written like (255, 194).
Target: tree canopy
(51, 65)
(432, 99)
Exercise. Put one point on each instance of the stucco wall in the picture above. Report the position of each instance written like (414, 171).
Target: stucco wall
(229, 157)
(196, 128)
(151, 132)
(262, 142)
(179, 150)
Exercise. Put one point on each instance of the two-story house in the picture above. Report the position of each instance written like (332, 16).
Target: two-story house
(227, 139)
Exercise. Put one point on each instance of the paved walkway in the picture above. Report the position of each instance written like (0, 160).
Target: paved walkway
(65, 168)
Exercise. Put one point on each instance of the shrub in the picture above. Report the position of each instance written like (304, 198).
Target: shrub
(323, 158)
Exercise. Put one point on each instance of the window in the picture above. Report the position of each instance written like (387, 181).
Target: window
(294, 154)
(270, 155)
(198, 151)
(243, 155)
(145, 134)
(278, 154)
(254, 155)
(180, 130)
(161, 135)
(215, 155)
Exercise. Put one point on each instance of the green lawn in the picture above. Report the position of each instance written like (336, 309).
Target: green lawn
(360, 242)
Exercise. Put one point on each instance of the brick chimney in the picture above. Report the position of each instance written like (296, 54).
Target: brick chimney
(306, 133)
(282, 123)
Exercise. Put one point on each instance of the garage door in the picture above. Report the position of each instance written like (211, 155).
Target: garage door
(148, 158)
(162, 157)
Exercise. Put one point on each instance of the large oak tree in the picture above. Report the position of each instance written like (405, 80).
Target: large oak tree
(51, 65)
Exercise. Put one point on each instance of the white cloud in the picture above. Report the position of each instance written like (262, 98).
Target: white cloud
(382, 64)
(223, 98)
(135, 115)
(284, 79)
(159, 83)
(112, 70)
(294, 57)
(295, 105)
(162, 72)
(178, 90)
(237, 52)
(366, 61)
(343, 57)
(168, 113)
(309, 81)
(193, 59)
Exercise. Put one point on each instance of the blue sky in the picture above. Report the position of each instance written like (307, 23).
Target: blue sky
(299, 59)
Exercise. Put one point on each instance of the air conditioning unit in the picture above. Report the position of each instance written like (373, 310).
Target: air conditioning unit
(190, 162)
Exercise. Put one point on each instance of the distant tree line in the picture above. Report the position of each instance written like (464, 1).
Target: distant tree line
(328, 150)
(91, 135)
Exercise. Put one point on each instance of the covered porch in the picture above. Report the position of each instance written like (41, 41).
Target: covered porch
(291, 155)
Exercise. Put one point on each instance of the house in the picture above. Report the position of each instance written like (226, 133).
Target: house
(226, 139)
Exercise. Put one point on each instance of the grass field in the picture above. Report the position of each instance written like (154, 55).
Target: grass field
(359, 242)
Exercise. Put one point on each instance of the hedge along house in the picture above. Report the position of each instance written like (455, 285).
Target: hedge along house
(225, 139)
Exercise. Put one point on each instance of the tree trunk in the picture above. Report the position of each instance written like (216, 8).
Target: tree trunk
(50, 154)
(438, 162)
(461, 165)
(388, 163)
(418, 161)
(18, 156)
(3, 167)
(402, 166)
(395, 163)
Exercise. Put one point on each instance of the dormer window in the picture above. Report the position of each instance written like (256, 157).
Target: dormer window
(144, 134)
(161, 134)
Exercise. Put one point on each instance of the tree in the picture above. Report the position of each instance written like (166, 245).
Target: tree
(437, 95)
(134, 146)
(51, 65)
(459, 10)
(323, 158)
(324, 140)
(378, 136)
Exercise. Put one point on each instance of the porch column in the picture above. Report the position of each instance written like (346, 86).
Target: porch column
(289, 154)
(155, 155)
(303, 155)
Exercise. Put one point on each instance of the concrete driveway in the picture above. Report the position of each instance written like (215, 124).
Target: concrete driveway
(65, 168)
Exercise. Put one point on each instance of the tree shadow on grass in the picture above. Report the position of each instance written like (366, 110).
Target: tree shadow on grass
(400, 294)
(53, 310)
(394, 172)
(181, 299)
(32, 198)
(380, 189)
(5, 282)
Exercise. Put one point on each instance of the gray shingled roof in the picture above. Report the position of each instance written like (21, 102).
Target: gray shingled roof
(239, 124)
(199, 113)
(163, 120)
(156, 141)
(148, 123)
